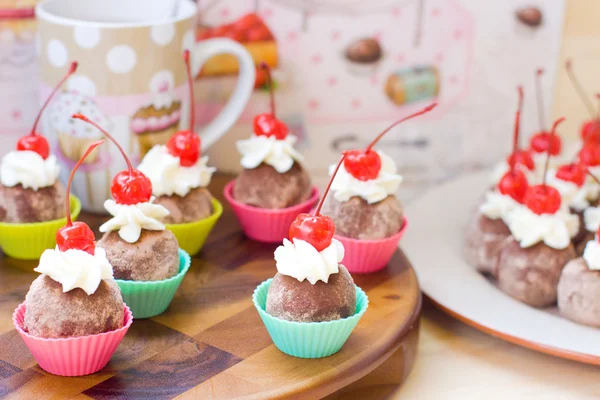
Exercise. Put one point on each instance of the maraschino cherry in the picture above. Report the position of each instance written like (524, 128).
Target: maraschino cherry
(572, 172)
(519, 157)
(544, 199)
(267, 124)
(590, 131)
(129, 186)
(34, 141)
(316, 229)
(514, 182)
(76, 235)
(186, 144)
(542, 141)
(365, 165)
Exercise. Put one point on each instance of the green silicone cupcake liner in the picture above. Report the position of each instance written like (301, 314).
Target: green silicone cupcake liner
(28, 241)
(308, 339)
(149, 298)
(191, 236)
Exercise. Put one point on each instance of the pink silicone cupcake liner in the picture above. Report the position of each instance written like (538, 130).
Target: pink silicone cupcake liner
(266, 225)
(366, 256)
(76, 356)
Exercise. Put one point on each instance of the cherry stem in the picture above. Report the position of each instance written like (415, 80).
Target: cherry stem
(81, 160)
(593, 176)
(112, 139)
(598, 112)
(539, 98)
(517, 127)
(386, 130)
(186, 58)
(579, 89)
(548, 155)
(337, 167)
(267, 69)
(70, 72)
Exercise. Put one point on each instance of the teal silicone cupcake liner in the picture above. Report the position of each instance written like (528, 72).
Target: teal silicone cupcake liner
(150, 298)
(308, 339)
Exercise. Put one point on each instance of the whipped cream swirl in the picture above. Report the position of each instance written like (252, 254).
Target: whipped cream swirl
(555, 230)
(169, 177)
(591, 218)
(129, 220)
(576, 197)
(591, 254)
(497, 205)
(29, 169)
(76, 268)
(280, 154)
(345, 186)
(301, 260)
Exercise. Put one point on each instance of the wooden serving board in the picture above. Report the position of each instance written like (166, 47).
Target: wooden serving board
(211, 343)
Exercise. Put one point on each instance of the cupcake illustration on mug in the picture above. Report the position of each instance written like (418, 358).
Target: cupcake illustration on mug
(157, 120)
(74, 138)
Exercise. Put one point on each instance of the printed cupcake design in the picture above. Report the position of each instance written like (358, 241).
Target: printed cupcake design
(74, 137)
(158, 120)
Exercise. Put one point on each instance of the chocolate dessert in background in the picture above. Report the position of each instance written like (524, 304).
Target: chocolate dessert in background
(264, 187)
(363, 51)
(153, 257)
(530, 16)
(357, 219)
(194, 206)
(19, 205)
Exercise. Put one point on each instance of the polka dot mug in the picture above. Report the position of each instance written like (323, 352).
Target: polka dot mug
(131, 79)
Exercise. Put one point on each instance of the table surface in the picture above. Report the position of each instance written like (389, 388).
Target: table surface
(211, 343)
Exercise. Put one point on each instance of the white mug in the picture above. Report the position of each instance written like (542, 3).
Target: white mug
(131, 79)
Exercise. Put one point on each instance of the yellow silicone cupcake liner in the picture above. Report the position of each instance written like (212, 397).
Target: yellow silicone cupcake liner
(191, 236)
(28, 241)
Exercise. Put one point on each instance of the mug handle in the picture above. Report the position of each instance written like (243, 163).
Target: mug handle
(205, 50)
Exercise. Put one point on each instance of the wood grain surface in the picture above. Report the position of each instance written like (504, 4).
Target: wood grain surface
(211, 343)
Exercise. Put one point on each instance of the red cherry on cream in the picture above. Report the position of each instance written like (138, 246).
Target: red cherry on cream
(589, 155)
(365, 165)
(590, 131)
(129, 186)
(34, 141)
(316, 229)
(514, 184)
(573, 172)
(544, 199)
(76, 235)
(267, 124)
(186, 144)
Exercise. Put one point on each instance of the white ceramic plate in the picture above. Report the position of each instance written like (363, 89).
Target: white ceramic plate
(434, 244)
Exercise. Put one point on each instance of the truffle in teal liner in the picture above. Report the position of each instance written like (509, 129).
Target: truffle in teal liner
(150, 298)
(308, 339)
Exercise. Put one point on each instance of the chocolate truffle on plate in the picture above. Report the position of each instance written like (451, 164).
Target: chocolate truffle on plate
(311, 284)
(487, 231)
(76, 294)
(364, 204)
(579, 287)
(178, 174)
(30, 190)
(542, 228)
(136, 243)
(273, 176)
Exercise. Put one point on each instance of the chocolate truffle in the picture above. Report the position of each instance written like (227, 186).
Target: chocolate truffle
(50, 313)
(264, 187)
(292, 300)
(358, 219)
(579, 293)
(153, 257)
(581, 243)
(194, 206)
(19, 205)
(363, 51)
(531, 274)
(484, 240)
